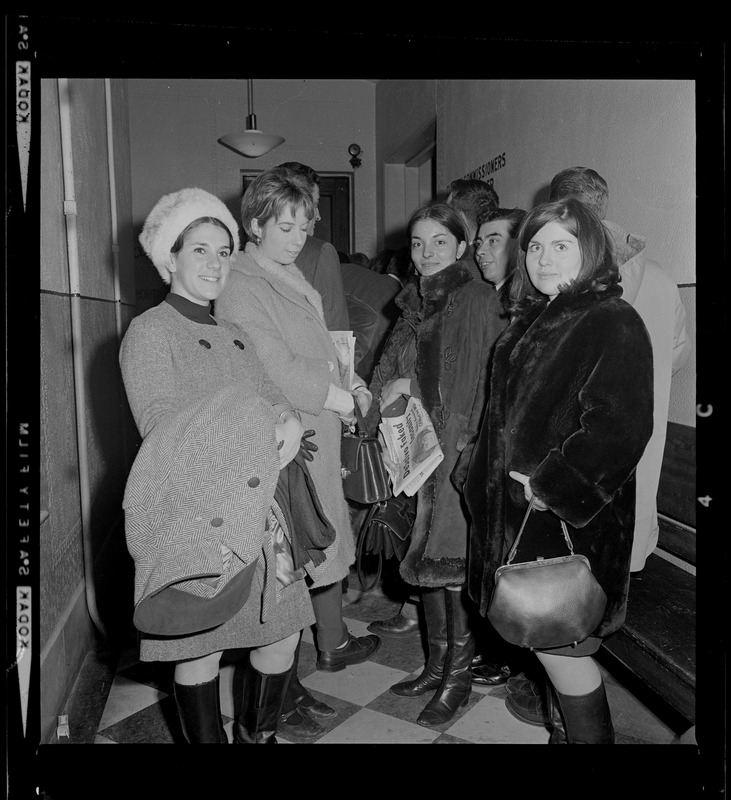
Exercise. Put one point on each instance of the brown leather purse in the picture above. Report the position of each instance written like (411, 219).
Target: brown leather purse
(550, 602)
(365, 479)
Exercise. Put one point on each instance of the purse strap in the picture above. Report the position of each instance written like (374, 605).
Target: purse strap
(514, 548)
(360, 426)
(360, 547)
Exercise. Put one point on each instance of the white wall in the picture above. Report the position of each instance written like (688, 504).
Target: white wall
(638, 134)
(175, 125)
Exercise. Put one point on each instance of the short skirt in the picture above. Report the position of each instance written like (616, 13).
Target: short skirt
(293, 613)
(586, 648)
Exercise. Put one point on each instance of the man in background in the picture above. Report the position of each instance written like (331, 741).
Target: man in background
(471, 198)
(496, 248)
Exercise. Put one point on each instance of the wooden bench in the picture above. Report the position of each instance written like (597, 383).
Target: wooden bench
(656, 647)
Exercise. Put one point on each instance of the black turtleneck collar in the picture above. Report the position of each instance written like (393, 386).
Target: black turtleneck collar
(191, 310)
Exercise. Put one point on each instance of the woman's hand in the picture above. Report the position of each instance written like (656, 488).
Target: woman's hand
(393, 390)
(525, 480)
(289, 434)
(361, 394)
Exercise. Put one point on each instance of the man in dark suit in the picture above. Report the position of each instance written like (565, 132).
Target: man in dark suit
(318, 260)
(472, 198)
(496, 247)
(372, 313)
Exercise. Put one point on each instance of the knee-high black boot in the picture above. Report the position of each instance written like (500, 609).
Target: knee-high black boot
(294, 721)
(456, 685)
(587, 718)
(261, 705)
(199, 710)
(558, 729)
(436, 633)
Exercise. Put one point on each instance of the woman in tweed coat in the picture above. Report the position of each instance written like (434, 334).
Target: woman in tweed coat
(200, 517)
(269, 298)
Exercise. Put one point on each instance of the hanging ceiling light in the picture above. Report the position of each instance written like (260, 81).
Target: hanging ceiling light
(252, 143)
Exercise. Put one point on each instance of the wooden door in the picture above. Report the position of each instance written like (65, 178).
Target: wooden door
(336, 208)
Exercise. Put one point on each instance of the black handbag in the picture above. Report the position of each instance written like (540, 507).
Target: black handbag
(365, 479)
(385, 533)
(550, 602)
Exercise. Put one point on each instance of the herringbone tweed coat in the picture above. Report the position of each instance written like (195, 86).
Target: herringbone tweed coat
(195, 381)
(282, 313)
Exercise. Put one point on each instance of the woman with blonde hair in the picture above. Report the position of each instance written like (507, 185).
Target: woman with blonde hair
(271, 300)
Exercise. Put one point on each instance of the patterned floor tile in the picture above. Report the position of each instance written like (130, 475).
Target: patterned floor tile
(126, 697)
(156, 724)
(359, 684)
(489, 722)
(372, 727)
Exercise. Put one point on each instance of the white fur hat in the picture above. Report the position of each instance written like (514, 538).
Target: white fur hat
(171, 215)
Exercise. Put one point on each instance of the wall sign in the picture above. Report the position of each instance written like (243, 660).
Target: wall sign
(488, 168)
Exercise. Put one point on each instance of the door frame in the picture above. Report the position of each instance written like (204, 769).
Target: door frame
(348, 218)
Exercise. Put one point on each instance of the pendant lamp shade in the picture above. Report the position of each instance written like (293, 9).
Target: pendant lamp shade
(252, 142)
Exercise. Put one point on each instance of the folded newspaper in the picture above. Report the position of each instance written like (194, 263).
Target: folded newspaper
(344, 342)
(412, 445)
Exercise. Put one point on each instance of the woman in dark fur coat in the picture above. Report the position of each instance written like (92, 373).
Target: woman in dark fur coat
(569, 415)
(439, 352)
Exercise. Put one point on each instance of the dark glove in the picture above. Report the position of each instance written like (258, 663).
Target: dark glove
(307, 447)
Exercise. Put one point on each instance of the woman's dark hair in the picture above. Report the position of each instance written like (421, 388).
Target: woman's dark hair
(180, 241)
(269, 194)
(598, 267)
(441, 213)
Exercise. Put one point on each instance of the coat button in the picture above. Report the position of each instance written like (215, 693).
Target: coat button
(204, 343)
(253, 482)
(217, 522)
(239, 344)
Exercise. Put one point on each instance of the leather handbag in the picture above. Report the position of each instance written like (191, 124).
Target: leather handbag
(385, 533)
(365, 479)
(550, 602)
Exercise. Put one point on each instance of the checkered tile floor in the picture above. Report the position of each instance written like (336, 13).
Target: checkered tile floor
(140, 707)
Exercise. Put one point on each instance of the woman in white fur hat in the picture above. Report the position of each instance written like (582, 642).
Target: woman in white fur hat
(199, 505)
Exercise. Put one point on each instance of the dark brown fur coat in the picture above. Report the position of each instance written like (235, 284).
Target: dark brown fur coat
(454, 321)
(571, 403)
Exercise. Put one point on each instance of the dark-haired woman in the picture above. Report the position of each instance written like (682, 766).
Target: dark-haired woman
(439, 352)
(568, 417)
(201, 519)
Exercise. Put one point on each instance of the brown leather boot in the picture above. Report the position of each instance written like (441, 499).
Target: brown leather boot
(261, 706)
(199, 710)
(436, 634)
(587, 718)
(456, 685)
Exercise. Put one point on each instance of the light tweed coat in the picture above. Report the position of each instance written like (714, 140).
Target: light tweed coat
(180, 376)
(282, 314)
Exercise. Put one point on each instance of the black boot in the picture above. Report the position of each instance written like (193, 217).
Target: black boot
(436, 634)
(456, 685)
(587, 718)
(199, 710)
(555, 718)
(294, 722)
(262, 696)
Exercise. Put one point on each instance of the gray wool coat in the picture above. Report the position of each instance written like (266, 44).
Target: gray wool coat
(282, 314)
(186, 383)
